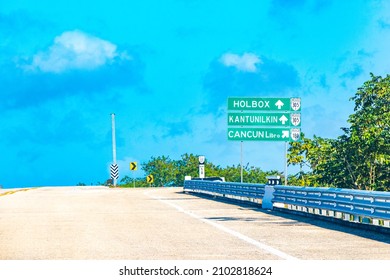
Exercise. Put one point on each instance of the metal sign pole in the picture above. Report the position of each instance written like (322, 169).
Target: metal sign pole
(113, 144)
(285, 163)
(133, 168)
(241, 164)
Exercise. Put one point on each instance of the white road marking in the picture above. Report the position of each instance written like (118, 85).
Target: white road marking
(234, 233)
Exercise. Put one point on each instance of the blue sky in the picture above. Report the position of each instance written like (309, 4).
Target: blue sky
(166, 69)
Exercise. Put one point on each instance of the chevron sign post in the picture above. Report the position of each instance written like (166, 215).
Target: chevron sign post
(114, 171)
(150, 179)
(133, 165)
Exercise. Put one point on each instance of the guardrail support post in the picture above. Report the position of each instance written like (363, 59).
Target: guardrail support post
(268, 197)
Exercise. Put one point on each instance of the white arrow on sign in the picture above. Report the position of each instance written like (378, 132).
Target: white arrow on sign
(332, 194)
(279, 104)
(333, 204)
(283, 119)
(349, 206)
(285, 133)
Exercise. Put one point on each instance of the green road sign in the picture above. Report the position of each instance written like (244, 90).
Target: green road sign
(264, 104)
(264, 119)
(263, 134)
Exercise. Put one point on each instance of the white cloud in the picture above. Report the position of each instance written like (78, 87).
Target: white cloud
(247, 62)
(76, 50)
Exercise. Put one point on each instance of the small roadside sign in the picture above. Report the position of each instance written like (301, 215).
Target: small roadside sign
(114, 171)
(133, 166)
(201, 171)
(149, 179)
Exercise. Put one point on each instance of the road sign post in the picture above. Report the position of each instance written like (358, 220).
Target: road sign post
(201, 167)
(150, 179)
(114, 165)
(114, 172)
(241, 162)
(133, 167)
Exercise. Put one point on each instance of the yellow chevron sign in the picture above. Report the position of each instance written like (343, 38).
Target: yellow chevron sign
(149, 179)
(133, 165)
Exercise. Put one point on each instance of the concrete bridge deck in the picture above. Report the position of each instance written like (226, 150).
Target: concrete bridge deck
(98, 223)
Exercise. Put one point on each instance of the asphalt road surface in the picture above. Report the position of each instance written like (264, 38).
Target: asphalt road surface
(98, 223)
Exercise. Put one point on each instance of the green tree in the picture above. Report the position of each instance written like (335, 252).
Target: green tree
(187, 165)
(231, 173)
(128, 182)
(360, 157)
(162, 168)
(369, 134)
(166, 171)
(251, 174)
(299, 154)
(311, 155)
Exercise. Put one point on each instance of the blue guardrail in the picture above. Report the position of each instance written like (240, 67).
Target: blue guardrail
(370, 207)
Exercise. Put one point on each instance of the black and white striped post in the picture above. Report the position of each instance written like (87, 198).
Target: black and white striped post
(114, 170)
